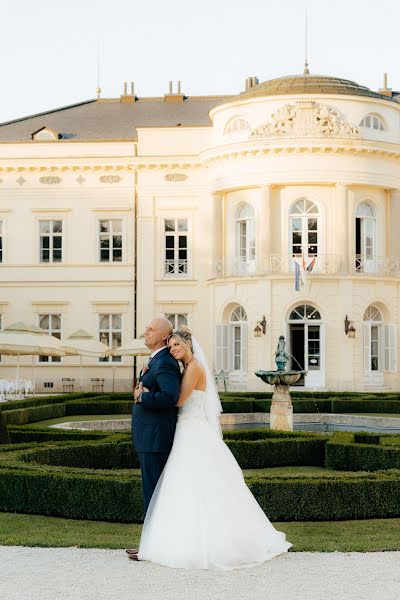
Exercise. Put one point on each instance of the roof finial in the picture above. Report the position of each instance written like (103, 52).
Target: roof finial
(98, 89)
(306, 71)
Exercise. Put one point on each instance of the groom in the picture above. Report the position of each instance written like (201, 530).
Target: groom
(154, 411)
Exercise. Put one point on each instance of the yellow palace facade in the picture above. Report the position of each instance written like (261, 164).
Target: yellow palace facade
(274, 211)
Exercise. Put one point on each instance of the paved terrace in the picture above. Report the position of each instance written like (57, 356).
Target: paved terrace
(81, 574)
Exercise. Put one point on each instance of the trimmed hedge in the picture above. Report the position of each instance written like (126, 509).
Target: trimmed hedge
(361, 457)
(101, 407)
(109, 455)
(22, 416)
(4, 435)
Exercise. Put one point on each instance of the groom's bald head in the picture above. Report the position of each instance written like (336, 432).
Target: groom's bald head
(157, 332)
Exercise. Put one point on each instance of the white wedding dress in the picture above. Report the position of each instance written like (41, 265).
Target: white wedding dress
(202, 514)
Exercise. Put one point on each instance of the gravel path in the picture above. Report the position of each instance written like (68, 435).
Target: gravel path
(79, 574)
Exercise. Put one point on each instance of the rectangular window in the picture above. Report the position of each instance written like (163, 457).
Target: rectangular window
(177, 319)
(110, 240)
(110, 334)
(52, 324)
(176, 247)
(50, 233)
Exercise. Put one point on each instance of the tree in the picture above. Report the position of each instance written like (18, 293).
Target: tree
(4, 435)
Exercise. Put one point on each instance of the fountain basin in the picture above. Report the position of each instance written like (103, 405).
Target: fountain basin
(280, 377)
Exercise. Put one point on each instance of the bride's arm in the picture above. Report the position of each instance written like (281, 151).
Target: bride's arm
(189, 381)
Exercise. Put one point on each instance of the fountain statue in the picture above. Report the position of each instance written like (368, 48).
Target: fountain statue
(281, 406)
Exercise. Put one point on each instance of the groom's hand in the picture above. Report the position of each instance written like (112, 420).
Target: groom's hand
(138, 392)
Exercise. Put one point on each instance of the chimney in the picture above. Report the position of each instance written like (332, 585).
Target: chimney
(128, 98)
(172, 96)
(250, 83)
(385, 91)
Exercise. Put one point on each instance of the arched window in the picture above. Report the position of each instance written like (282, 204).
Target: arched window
(380, 345)
(238, 335)
(236, 126)
(365, 224)
(372, 121)
(303, 218)
(231, 350)
(245, 240)
(373, 339)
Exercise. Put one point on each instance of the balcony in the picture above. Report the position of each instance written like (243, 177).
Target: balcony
(379, 265)
(325, 264)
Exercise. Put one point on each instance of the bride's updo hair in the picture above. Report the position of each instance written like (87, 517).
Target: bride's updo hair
(183, 334)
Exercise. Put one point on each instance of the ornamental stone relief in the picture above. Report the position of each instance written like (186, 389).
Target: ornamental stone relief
(50, 179)
(110, 179)
(175, 177)
(306, 119)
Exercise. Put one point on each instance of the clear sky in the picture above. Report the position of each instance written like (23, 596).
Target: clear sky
(49, 48)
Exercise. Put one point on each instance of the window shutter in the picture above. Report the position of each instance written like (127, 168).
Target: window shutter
(390, 348)
(243, 346)
(221, 362)
(367, 347)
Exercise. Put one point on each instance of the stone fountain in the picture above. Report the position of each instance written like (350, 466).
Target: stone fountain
(281, 405)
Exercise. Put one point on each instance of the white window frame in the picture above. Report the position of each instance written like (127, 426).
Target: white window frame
(237, 126)
(51, 359)
(238, 327)
(373, 121)
(109, 331)
(176, 258)
(387, 342)
(51, 236)
(366, 261)
(111, 235)
(245, 230)
(304, 216)
(176, 320)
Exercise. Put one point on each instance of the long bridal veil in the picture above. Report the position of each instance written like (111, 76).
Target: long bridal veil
(212, 403)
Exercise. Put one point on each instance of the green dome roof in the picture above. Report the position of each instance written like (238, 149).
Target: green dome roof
(310, 84)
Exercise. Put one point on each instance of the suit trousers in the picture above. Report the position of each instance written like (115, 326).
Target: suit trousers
(151, 465)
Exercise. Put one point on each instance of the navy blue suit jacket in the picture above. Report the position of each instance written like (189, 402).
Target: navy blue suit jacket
(154, 418)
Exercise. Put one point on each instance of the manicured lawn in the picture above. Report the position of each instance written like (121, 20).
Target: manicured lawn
(297, 472)
(341, 536)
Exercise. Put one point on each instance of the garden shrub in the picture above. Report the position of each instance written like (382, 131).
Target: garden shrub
(4, 435)
(367, 437)
(22, 416)
(361, 457)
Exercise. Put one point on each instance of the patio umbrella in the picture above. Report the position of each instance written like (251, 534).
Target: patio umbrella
(134, 348)
(81, 343)
(20, 338)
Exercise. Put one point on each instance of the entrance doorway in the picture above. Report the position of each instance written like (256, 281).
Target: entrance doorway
(306, 344)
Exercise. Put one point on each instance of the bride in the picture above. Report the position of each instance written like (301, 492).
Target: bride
(202, 515)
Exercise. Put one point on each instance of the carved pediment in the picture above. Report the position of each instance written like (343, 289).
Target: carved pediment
(306, 119)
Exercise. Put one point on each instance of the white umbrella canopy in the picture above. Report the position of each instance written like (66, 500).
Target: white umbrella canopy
(81, 343)
(20, 338)
(134, 348)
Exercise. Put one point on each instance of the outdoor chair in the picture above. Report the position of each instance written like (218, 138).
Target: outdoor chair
(68, 384)
(97, 384)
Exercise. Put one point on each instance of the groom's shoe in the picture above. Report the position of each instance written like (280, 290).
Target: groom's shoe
(133, 557)
(131, 551)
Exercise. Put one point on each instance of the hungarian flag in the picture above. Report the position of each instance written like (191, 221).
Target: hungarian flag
(298, 278)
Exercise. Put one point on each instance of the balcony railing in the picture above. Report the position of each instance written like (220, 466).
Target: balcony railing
(176, 268)
(326, 264)
(379, 265)
(279, 264)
